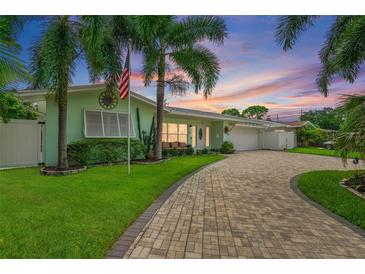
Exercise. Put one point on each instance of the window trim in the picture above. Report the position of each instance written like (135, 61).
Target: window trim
(207, 137)
(133, 132)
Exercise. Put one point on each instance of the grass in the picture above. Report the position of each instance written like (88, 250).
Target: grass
(81, 215)
(323, 187)
(320, 151)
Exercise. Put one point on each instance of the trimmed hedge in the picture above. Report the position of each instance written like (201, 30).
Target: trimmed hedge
(172, 152)
(227, 147)
(101, 150)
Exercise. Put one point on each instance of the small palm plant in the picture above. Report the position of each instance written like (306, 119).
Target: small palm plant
(166, 42)
(351, 137)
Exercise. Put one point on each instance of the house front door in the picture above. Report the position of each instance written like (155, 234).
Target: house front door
(200, 137)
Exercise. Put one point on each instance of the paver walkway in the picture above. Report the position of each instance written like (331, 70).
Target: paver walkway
(243, 207)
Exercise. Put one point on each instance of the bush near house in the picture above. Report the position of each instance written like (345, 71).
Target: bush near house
(227, 148)
(12, 108)
(311, 137)
(97, 151)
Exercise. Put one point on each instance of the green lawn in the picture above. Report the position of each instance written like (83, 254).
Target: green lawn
(81, 215)
(320, 151)
(323, 187)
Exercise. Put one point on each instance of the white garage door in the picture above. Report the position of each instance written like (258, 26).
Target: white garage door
(244, 138)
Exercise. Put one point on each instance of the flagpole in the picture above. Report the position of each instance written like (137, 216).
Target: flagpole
(129, 109)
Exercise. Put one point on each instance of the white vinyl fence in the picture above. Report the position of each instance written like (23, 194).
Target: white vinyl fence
(20, 143)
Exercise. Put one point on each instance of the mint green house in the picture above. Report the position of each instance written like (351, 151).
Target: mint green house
(89, 118)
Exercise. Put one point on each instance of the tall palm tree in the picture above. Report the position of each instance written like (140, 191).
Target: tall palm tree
(65, 40)
(167, 41)
(53, 63)
(343, 51)
(12, 68)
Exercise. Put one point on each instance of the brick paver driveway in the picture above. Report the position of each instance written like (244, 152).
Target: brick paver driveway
(243, 207)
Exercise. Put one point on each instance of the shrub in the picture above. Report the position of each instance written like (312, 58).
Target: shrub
(189, 151)
(96, 151)
(205, 151)
(227, 147)
(311, 136)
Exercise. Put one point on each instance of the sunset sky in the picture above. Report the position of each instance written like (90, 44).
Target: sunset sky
(254, 70)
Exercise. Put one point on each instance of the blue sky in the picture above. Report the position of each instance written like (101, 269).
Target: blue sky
(254, 70)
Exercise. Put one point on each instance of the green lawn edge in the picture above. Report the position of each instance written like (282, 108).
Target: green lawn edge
(320, 151)
(81, 215)
(323, 187)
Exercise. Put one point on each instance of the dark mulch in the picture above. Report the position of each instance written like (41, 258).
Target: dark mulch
(357, 183)
(70, 168)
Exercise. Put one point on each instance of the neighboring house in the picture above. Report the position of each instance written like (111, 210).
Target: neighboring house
(88, 119)
(299, 124)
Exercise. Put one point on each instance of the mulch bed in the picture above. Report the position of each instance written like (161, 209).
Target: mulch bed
(51, 170)
(150, 161)
(356, 185)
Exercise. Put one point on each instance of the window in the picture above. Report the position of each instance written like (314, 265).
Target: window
(207, 136)
(193, 136)
(183, 133)
(106, 124)
(172, 132)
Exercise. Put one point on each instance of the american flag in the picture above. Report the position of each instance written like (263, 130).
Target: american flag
(123, 84)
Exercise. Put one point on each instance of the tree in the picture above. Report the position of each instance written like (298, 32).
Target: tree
(231, 111)
(12, 108)
(54, 56)
(255, 112)
(351, 137)
(12, 68)
(167, 41)
(343, 51)
(326, 118)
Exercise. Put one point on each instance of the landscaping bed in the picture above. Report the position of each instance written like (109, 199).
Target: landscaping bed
(324, 188)
(81, 215)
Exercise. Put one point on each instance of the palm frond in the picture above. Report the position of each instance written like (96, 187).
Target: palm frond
(201, 66)
(194, 29)
(54, 56)
(290, 27)
(351, 137)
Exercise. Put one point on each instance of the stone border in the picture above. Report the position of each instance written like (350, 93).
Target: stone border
(150, 163)
(43, 171)
(296, 190)
(349, 188)
(122, 245)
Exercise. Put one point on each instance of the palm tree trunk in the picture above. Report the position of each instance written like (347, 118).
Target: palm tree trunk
(160, 104)
(62, 130)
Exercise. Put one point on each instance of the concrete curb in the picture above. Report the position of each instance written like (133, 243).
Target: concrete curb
(127, 238)
(296, 190)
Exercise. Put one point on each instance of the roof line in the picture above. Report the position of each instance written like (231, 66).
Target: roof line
(173, 110)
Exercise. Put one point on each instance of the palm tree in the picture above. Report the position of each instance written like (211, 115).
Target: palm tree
(343, 51)
(167, 41)
(12, 68)
(351, 137)
(54, 56)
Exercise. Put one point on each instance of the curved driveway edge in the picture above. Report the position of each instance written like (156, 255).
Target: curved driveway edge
(124, 242)
(295, 188)
(244, 207)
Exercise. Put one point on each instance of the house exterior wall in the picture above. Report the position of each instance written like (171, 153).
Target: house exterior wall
(77, 103)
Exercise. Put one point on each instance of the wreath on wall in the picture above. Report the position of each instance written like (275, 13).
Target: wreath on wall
(108, 100)
(226, 130)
